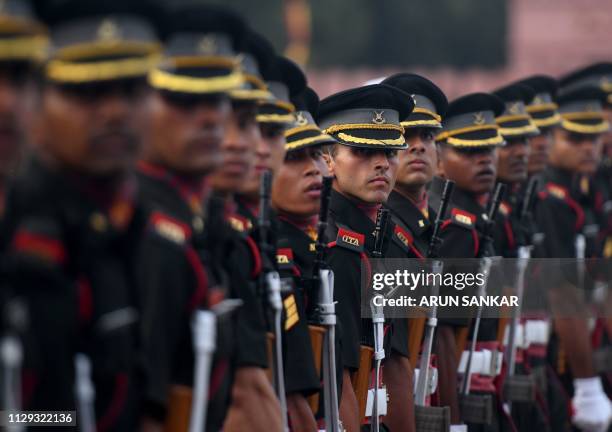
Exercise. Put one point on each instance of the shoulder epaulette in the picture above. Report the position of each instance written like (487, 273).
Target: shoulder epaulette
(170, 228)
(463, 218)
(284, 258)
(40, 238)
(349, 239)
(239, 223)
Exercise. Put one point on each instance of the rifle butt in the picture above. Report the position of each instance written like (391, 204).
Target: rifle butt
(361, 378)
(316, 341)
(179, 409)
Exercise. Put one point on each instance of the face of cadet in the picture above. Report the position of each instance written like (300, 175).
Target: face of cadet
(473, 169)
(365, 174)
(184, 132)
(418, 162)
(269, 155)
(16, 98)
(512, 160)
(296, 189)
(578, 153)
(237, 149)
(92, 129)
(540, 147)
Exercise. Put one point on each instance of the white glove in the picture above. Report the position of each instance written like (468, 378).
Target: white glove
(592, 408)
(458, 428)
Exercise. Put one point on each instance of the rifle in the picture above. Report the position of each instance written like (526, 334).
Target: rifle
(519, 388)
(11, 353)
(85, 393)
(485, 269)
(378, 317)
(270, 279)
(324, 314)
(432, 320)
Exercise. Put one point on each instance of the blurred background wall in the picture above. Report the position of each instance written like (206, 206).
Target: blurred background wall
(462, 45)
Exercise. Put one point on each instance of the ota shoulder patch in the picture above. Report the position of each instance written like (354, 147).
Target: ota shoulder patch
(170, 228)
(239, 223)
(403, 237)
(350, 240)
(284, 258)
(557, 191)
(504, 208)
(463, 218)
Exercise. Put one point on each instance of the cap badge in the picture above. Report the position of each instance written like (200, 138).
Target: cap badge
(479, 118)
(592, 107)
(109, 31)
(378, 117)
(537, 100)
(207, 45)
(515, 108)
(300, 119)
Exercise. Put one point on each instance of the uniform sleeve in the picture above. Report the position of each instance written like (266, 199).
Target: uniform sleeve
(347, 286)
(166, 283)
(300, 372)
(556, 221)
(250, 322)
(36, 272)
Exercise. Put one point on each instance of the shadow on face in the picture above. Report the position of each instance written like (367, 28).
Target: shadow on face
(418, 162)
(185, 132)
(365, 174)
(237, 149)
(16, 99)
(93, 129)
(296, 189)
(269, 155)
(512, 160)
(473, 169)
(540, 147)
(576, 152)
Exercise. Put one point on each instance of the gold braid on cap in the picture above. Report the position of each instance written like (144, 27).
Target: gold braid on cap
(408, 123)
(428, 112)
(74, 73)
(357, 140)
(275, 118)
(342, 127)
(446, 134)
(511, 131)
(24, 48)
(571, 126)
(496, 140)
(299, 143)
(541, 107)
(185, 84)
(550, 121)
(297, 130)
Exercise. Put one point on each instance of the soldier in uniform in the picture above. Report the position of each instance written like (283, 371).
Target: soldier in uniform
(365, 122)
(284, 80)
(24, 41)
(186, 116)
(543, 111)
(562, 214)
(296, 198)
(77, 223)
(517, 129)
(409, 199)
(467, 154)
(512, 228)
